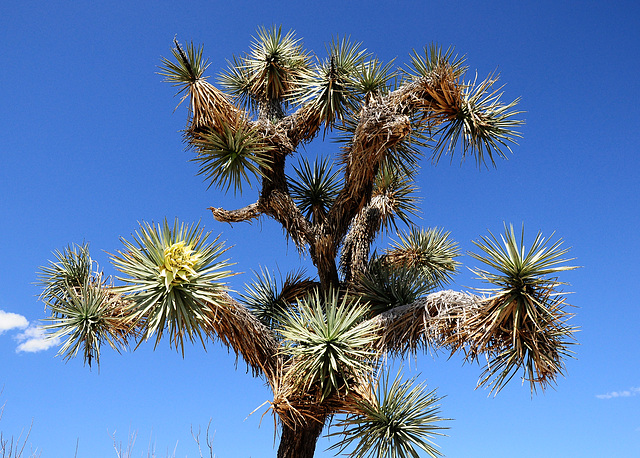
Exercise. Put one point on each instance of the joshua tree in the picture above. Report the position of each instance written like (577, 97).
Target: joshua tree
(320, 342)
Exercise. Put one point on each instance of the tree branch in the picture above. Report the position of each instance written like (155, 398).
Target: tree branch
(432, 321)
(239, 329)
(357, 243)
(247, 213)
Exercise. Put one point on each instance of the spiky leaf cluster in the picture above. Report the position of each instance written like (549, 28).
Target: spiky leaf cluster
(484, 124)
(85, 318)
(383, 286)
(73, 268)
(184, 306)
(430, 251)
(269, 299)
(229, 158)
(332, 86)
(85, 313)
(270, 72)
(187, 67)
(400, 419)
(398, 188)
(315, 188)
(524, 322)
(329, 343)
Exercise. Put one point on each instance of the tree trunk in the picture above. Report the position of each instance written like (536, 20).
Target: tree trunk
(301, 441)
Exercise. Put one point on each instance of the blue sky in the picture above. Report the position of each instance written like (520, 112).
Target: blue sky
(90, 146)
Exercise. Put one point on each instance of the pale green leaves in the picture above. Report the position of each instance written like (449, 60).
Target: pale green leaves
(185, 305)
(86, 318)
(72, 269)
(430, 251)
(271, 71)
(433, 61)
(400, 419)
(329, 343)
(188, 67)
(524, 324)
(84, 313)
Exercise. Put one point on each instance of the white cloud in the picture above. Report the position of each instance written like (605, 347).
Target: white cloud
(34, 339)
(12, 321)
(633, 391)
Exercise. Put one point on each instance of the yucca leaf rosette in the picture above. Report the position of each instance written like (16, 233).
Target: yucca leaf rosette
(173, 279)
(524, 321)
(329, 343)
(430, 251)
(85, 311)
(399, 418)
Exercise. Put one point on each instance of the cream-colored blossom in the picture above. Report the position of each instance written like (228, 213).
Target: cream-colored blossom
(179, 260)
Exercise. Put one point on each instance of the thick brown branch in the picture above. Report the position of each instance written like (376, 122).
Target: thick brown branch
(303, 125)
(280, 206)
(357, 243)
(239, 329)
(381, 127)
(432, 321)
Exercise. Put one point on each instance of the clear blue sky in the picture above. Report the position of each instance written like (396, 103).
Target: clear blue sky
(90, 145)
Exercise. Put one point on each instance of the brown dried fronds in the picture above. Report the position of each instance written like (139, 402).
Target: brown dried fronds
(515, 334)
(297, 404)
(429, 322)
(210, 108)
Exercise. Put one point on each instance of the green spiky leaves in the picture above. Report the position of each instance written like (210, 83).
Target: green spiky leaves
(430, 251)
(383, 286)
(397, 187)
(524, 324)
(470, 113)
(401, 418)
(85, 314)
(433, 62)
(188, 67)
(86, 318)
(332, 87)
(330, 345)
(72, 269)
(229, 158)
(173, 280)
(315, 188)
(485, 125)
(269, 299)
(270, 72)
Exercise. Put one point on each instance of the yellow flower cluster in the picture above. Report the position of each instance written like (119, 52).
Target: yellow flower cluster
(179, 260)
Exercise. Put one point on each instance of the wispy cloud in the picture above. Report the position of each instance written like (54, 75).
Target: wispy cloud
(633, 391)
(10, 321)
(34, 339)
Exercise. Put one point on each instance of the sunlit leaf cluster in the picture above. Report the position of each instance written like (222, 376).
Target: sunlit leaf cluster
(184, 306)
(85, 313)
(329, 342)
(524, 324)
(232, 157)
